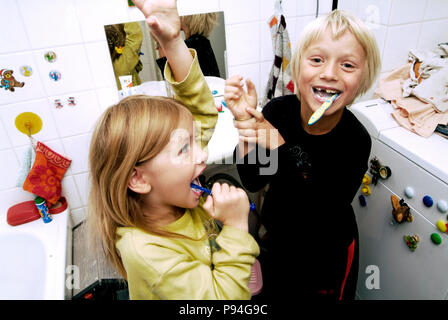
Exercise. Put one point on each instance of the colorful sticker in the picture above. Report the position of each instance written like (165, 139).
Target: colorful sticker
(55, 75)
(7, 80)
(26, 71)
(58, 104)
(71, 101)
(50, 56)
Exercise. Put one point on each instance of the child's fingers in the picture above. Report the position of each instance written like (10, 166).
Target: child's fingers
(234, 80)
(257, 114)
(251, 91)
(247, 132)
(248, 139)
(208, 206)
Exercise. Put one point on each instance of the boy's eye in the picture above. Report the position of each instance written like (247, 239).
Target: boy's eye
(316, 60)
(348, 65)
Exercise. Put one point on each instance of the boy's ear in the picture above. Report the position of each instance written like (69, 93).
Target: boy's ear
(138, 182)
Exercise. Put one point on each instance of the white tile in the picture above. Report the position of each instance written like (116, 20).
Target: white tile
(11, 197)
(349, 5)
(9, 113)
(4, 140)
(243, 43)
(70, 192)
(251, 71)
(50, 23)
(100, 64)
(77, 216)
(433, 33)
(83, 184)
(32, 87)
(71, 62)
(399, 40)
(406, 11)
(374, 11)
(301, 23)
(188, 7)
(379, 31)
(77, 149)
(11, 169)
(94, 15)
(107, 97)
(436, 9)
(265, 71)
(78, 119)
(13, 38)
(307, 7)
(238, 11)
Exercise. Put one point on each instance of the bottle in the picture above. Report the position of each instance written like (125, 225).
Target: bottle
(43, 210)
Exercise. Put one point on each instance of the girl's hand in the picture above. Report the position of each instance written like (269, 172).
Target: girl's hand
(260, 131)
(230, 205)
(162, 18)
(237, 100)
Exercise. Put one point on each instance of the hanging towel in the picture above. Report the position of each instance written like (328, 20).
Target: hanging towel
(44, 178)
(279, 81)
(28, 159)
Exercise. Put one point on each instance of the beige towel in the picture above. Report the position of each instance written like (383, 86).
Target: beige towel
(411, 113)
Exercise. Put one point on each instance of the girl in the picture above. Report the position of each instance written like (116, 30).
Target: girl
(320, 166)
(156, 229)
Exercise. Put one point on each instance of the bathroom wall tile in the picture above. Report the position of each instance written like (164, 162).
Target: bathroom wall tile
(250, 71)
(243, 43)
(55, 24)
(77, 216)
(8, 160)
(70, 192)
(248, 10)
(406, 11)
(13, 39)
(71, 62)
(107, 97)
(83, 184)
(100, 64)
(77, 148)
(350, 6)
(4, 140)
(32, 87)
(11, 197)
(436, 9)
(94, 15)
(187, 7)
(77, 119)
(399, 40)
(433, 33)
(325, 7)
(265, 70)
(379, 31)
(300, 24)
(39, 107)
(374, 11)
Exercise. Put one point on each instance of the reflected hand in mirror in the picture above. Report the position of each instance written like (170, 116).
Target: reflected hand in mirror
(209, 43)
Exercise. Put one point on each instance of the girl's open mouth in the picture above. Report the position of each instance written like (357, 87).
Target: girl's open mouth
(196, 191)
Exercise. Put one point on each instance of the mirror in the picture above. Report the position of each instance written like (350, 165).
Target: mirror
(138, 62)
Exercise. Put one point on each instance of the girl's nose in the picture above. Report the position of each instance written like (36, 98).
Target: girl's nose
(200, 155)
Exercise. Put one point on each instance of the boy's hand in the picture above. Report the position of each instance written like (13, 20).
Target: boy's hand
(237, 100)
(162, 18)
(230, 205)
(260, 131)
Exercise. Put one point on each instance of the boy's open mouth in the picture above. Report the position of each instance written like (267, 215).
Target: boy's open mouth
(322, 93)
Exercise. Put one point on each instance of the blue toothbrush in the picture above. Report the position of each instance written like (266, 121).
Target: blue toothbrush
(208, 191)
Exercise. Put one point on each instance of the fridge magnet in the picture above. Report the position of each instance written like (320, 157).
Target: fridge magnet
(50, 56)
(58, 104)
(8, 82)
(71, 101)
(55, 75)
(26, 71)
(412, 241)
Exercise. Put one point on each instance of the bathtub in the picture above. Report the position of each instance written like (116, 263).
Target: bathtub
(33, 258)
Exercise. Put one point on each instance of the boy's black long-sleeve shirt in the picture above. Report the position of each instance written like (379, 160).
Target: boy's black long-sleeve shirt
(307, 209)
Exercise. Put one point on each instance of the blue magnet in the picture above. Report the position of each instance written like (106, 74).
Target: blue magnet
(427, 201)
(362, 200)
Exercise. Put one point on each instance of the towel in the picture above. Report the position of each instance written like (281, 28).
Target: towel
(411, 113)
(428, 79)
(28, 159)
(279, 81)
(44, 178)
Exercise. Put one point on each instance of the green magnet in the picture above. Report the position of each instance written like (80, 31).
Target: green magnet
(435, 237)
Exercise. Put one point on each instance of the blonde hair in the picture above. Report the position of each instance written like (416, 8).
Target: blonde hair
(338, 22)
(202, 23)
(127, 135)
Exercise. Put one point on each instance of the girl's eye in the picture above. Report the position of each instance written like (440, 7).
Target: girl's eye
(348, 65)
(184, 148)
(316, 60)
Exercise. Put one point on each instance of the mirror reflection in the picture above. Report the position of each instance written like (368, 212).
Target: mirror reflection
(138, 61)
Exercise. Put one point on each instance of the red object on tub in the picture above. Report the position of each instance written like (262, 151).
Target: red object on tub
(27, 211)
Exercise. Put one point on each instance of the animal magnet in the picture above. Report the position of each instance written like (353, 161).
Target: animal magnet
(401, 212)
(8, 81)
